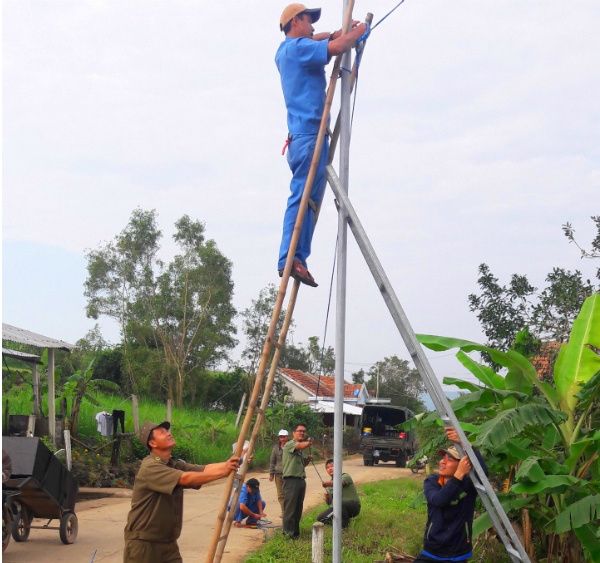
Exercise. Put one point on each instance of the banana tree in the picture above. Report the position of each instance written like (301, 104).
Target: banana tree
(81, 385)
(545, 430)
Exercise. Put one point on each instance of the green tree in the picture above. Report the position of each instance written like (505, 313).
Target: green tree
(121, 275)
(255, 325)
(398, 382)
(176, 318)
(191, 305)
(594, 253)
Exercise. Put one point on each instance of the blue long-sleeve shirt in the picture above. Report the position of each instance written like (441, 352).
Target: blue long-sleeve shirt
(450, 510)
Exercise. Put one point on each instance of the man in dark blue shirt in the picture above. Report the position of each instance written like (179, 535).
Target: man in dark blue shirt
(301, 61)
(451, 497)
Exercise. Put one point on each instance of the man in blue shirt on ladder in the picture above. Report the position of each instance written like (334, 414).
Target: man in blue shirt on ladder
(301, 61)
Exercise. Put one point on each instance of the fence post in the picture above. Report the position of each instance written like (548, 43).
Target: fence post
(239, 415)
(68, 455)
(169, 411)
(136, 415)
(317, 542)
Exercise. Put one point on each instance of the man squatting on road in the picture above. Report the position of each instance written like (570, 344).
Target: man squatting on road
(294, 479)
(451, 497)
(301, 61)
(250, 505)
(350, 500)
(156, 516)
(276, 465)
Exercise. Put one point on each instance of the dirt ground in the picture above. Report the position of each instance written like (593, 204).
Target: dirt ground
(101, 522)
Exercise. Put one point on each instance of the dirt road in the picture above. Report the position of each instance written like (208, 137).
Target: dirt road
(101, 522)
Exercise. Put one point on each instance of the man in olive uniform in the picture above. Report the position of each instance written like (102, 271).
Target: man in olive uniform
(350, 500)
(156, 516)
(276, 465)
(294, 475)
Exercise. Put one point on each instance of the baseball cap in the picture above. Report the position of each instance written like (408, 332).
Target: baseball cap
(147, 427)
(293, 10)
(253, 484)
(451, 451)
(283, 432)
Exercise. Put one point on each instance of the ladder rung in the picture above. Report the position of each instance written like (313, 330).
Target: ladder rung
(480, 487)
(312, 205)
(275, 342)
(259, 410)
(513, 552)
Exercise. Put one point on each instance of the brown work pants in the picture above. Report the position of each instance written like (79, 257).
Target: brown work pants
(142, 551)
(279, 485)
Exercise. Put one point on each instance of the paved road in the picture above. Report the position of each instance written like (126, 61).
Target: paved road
(101, 522)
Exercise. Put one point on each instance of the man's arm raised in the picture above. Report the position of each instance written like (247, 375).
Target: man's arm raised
(211, 473)
(344, 43)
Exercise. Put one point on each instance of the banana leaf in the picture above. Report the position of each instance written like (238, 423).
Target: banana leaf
(589, 537)
(521, 373)
(485, 374)
(548, 485)
(530, 470)
(578, 514)
(589, 392)
(576, 362)
(511, 422)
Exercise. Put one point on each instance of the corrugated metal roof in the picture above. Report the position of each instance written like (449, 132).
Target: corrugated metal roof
(22, 336)
(24, 356)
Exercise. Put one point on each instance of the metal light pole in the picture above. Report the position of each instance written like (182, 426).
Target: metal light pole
(340, 325)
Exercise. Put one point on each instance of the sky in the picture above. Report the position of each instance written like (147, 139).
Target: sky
(476, 135)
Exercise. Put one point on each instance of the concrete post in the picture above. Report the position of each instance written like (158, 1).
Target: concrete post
(317, 542)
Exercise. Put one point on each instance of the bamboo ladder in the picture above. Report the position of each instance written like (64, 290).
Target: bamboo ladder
(224, 517)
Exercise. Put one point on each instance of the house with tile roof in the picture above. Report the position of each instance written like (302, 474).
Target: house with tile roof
(305, 387)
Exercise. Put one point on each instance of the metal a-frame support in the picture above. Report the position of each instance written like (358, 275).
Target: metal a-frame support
(486, 493)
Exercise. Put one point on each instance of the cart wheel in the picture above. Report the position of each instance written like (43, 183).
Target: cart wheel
(69, 526)
(6, 526)
(20, 526)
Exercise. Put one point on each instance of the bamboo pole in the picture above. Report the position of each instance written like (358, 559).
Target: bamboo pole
(259, 420)
(280, 296)
(240, 411)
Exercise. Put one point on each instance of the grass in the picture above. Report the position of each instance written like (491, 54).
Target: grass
(190, 427)
(386, 521)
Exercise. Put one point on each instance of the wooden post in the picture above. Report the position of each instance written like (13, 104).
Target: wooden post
(37, 392)
(317, 542)
(51, 398)
(168, 410)
(31, 426)
(68, 453)
(239, 415)
(136, 414)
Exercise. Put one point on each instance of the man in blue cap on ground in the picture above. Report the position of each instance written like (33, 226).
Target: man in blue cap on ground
(301, 61)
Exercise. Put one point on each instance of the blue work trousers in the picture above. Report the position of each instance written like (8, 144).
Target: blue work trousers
(299, 156)
(253, 507)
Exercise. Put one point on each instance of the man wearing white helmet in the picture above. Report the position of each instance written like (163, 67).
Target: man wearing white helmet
(276, 465)
(301, 61)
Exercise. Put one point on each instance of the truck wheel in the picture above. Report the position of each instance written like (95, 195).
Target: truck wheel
(401, 460)
(69, 526)
(366, 461)
(376, 461)
(20, 526)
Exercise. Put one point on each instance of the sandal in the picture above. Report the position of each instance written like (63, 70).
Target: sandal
(300, 273)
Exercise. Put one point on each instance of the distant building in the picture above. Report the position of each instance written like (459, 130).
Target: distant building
(303, 388)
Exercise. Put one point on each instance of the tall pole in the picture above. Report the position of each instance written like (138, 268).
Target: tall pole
(340, 325)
